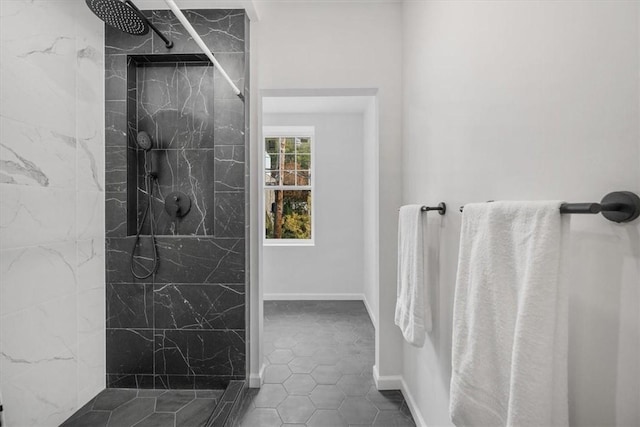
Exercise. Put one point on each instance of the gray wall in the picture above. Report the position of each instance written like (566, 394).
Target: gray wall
(332, 267)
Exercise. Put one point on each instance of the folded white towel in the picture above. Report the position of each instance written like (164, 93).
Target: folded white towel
(413, 315)
(510, 317)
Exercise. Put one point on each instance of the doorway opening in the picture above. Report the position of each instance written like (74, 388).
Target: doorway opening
(316, 315)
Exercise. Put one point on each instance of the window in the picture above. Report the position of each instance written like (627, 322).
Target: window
(288, 185)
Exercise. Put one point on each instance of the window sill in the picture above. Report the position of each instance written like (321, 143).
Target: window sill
(288, 242)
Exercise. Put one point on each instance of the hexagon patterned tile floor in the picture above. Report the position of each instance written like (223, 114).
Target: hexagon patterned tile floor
(319, 357)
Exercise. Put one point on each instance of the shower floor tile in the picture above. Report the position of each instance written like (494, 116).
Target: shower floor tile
(319, 357)
(119, 407)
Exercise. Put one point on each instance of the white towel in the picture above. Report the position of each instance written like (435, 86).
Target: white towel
(413, 315)
(510, 320)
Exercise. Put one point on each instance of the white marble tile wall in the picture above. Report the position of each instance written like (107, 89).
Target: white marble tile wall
(52, 331)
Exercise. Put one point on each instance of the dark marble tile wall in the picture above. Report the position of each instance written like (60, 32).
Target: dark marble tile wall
(185, 327)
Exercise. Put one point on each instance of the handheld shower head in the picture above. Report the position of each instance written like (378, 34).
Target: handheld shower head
(144, 141)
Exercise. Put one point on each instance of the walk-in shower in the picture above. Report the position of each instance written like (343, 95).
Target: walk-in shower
(176, 193)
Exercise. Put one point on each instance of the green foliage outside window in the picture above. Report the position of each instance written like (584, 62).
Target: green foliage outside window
(296, 215)
(288, 164)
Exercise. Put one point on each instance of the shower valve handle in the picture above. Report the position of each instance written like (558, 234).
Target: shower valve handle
(177, 204)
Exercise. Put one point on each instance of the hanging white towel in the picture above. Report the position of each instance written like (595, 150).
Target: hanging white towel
(510, 317)
(413, 314)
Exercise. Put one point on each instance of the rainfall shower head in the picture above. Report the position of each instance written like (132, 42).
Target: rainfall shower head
(120, 15)
(144, 141)
(125, 16)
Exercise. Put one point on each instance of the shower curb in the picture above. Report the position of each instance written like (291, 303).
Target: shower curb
(226, 413)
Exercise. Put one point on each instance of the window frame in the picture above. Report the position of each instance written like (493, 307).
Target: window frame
(288, 132)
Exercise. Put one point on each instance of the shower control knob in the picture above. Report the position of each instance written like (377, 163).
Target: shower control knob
(177, 204)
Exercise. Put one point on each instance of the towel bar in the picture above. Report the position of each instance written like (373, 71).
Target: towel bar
(441, 208)
(618, 206)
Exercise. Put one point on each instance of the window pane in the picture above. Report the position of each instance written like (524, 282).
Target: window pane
(271, 178)
(271, 145)
(290, 146)
(271, 162)
(290, 161)
(288, 178)
(303, 146)
(303, 161)
(287, 214)
(304, 178)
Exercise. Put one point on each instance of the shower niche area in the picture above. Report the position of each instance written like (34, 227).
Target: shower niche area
(183, 327)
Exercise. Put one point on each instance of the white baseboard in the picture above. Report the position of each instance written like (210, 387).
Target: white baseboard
(373, 318)
(256, 380)
(386, 382)
(413, 406)
(307, 297)
(396, 382)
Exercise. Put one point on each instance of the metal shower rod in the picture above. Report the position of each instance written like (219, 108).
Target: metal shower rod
(194, 34)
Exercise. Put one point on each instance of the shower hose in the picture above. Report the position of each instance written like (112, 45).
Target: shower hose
(149, 180)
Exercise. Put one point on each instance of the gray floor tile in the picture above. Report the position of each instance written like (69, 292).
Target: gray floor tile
(174, 400)
(268, 347)
(358, 410)
(280, 356)
(302, 365)
(296, 409)
(80, 412)
(285, 342)
(299, 384)
(276, 374)
(150, 392)
(345, 337)
(327, 397)
(355, 350)
(355, 385)
(326, 356)
(305, 349)
(131, 412)
(326, 374)
(269, 396)
(110, 399)
(263, 417)
(158, 420)
(326, 418)
(351, 365)
(89, 419)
